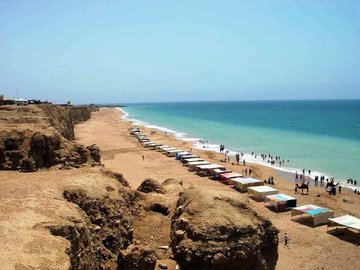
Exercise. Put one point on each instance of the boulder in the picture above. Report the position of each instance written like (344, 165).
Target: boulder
(38, 149)
(13, 142)
(118, 176)
(94, 153)
(28, 165)
(151, 185)
(212, 231)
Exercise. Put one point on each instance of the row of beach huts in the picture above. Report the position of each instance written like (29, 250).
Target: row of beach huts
(316, 215)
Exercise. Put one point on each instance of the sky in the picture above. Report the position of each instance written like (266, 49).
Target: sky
(158, 51)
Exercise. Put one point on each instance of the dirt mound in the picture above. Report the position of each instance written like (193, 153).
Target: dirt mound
(33, 137)
(151, 185)
(173, 186)
(212, 231)
(115, 175)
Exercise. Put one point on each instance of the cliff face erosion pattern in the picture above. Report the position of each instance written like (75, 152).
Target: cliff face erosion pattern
(213, 231)
(90, 218)
(33, 137)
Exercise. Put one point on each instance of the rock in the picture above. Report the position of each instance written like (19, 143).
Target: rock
(140, 257)
(118, 176)
(43, 133)
(172, 181)
(2, 157)
(28, 165)
(160, 208)
(235, 237)
(94, 152)
(13, 159)
(150, 185)
(113, 216)
(14, 142)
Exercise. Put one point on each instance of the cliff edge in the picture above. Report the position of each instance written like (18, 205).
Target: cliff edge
(38, 136)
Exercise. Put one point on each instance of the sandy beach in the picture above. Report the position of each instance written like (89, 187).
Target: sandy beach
(309, 248)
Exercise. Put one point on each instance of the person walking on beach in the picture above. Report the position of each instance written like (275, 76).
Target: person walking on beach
(244, 162)
(237, 157)
(286, 240)
(143, 158)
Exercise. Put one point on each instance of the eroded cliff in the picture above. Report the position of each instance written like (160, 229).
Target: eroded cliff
(33, 137)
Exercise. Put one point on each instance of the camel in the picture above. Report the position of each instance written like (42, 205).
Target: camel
(302, 187)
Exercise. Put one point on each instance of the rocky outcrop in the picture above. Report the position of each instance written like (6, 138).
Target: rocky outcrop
(112, 218)
(118, 176)
(105, 229)
(94, 151)
(86, 252)
(80, 114)
(139, 257)
(151, 185)
(33, 137)
(63, 118)
(213, 231)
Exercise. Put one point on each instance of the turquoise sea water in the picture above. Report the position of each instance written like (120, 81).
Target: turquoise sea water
(323, 136)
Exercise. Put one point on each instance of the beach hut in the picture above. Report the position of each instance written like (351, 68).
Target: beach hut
(192, 165)
(215, 174)
(318, 215)
(164, 150)
(161, 146)
(134, 131)
(344, 222)
(150, 144)
(206, 170)
(281, 201)
(259, 193)
(224, 177)
(181, 154)
(187, 160)
(243, 183)
(188, 156)
(172, 153)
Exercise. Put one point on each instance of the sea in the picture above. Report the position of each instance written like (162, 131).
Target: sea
(318, 135)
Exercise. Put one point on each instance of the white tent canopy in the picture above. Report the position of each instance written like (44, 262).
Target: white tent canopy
(346, 221)
(320, 215)
(261, 192)
(209, 167)
(243, 183)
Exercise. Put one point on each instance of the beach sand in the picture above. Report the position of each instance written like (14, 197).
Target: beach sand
(309, 248)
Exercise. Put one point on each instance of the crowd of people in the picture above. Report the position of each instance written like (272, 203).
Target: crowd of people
(301, 179)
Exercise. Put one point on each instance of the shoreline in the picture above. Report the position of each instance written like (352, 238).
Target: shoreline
(287, 173)
(122, 152)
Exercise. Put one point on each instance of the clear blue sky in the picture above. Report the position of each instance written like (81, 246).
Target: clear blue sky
(128, 51)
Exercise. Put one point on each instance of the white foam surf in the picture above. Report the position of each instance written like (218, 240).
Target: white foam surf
(202, 144)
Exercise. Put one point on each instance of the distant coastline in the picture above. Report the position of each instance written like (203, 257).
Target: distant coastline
(183, 134)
